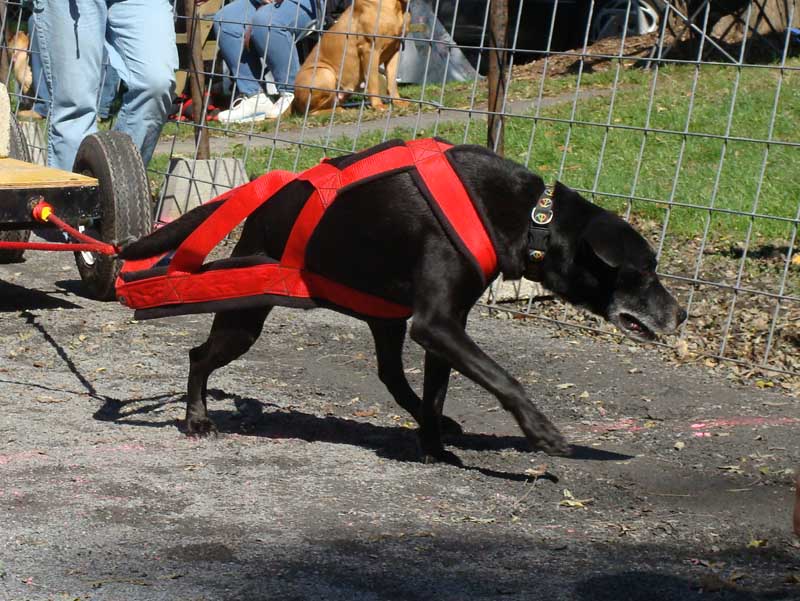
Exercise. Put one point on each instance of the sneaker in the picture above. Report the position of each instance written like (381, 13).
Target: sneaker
(281, 105)
(247, 109)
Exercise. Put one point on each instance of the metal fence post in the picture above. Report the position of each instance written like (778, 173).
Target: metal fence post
(498, 62)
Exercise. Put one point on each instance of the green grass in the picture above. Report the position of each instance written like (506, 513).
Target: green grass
(674, 169)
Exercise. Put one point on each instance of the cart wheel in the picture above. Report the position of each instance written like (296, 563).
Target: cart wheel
(124, 197)
(18, 149)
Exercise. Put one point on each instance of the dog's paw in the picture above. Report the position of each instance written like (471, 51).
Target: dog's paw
(451, 427)
(379, 106)
(200, 427)
(541, 432)
(440, 456)
(431, 450)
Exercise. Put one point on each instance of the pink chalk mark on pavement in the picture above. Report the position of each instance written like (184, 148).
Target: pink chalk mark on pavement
(634, 425)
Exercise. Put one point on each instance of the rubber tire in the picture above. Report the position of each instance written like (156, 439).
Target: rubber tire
(18, 149)
(124, 196)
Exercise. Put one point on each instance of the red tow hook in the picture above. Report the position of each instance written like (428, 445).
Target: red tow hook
(43, 213)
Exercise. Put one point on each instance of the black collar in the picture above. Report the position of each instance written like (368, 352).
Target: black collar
(538, 231)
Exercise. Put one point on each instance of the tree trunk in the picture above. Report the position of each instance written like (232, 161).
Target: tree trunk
(498, 65)
(197, 80)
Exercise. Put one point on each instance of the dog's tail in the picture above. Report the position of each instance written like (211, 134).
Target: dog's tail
(170, 236)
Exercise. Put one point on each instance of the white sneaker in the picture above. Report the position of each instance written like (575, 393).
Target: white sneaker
(281, 105)
(247, 109)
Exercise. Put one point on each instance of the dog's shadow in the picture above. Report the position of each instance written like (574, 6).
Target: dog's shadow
(256, 418)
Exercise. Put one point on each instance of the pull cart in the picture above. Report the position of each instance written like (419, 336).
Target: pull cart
(103, 202)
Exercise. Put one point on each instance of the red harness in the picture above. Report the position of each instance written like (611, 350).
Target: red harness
(188, 281)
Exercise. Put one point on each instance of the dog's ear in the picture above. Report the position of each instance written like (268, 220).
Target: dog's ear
(615, 243)
(606, 239)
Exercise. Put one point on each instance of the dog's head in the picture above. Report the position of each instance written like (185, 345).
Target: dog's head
(601, 263)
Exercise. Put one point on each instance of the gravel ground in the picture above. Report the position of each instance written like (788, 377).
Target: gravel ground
(679, 487)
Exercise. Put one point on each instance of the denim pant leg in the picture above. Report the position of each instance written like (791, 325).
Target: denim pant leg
(230, 23)
(142, 32)
(275, 31)
(70, 37)
(37, 71)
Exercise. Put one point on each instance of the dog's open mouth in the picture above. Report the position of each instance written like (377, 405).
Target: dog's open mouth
(634, 328)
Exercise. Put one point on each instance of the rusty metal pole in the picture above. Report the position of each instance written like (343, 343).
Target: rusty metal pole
(197, 80)
(498, 65)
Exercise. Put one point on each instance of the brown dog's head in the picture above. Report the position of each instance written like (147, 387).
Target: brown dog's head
(598, 261)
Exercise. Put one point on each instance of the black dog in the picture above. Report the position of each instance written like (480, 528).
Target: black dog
(384, 239)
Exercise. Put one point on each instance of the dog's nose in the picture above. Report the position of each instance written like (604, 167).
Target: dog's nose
(682, 315)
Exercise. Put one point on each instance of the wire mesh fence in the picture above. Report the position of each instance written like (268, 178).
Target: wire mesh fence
(681, 116)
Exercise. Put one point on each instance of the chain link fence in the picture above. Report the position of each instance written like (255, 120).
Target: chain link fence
(681, 116)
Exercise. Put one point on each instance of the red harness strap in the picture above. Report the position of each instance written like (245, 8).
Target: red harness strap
(185, 282)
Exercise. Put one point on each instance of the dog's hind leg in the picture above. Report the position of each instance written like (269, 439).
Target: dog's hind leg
(232, 334)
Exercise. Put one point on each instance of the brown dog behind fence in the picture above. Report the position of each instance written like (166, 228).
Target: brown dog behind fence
(364, 38)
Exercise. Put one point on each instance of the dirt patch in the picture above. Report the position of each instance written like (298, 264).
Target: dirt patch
(596, 58)
(680, 483)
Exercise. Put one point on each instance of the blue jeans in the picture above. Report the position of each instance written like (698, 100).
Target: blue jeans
(71, 36)
(107, 93)
(274, 34)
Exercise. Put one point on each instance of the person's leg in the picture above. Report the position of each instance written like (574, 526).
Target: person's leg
(230, 24)
(70, 37)
(40, 105)
(143, 34)
(275, 30)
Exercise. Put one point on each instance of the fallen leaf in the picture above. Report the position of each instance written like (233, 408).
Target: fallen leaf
(757, 543)
(569, 500)
(469, 518)
(365, 412)
(565, 386)
(536, 472)
(48, 399)
(679, 445)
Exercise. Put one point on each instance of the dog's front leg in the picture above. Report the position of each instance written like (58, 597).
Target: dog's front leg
(437, 377)
(389, 337)
(391, 79)
(369, 56)
(444, 336)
